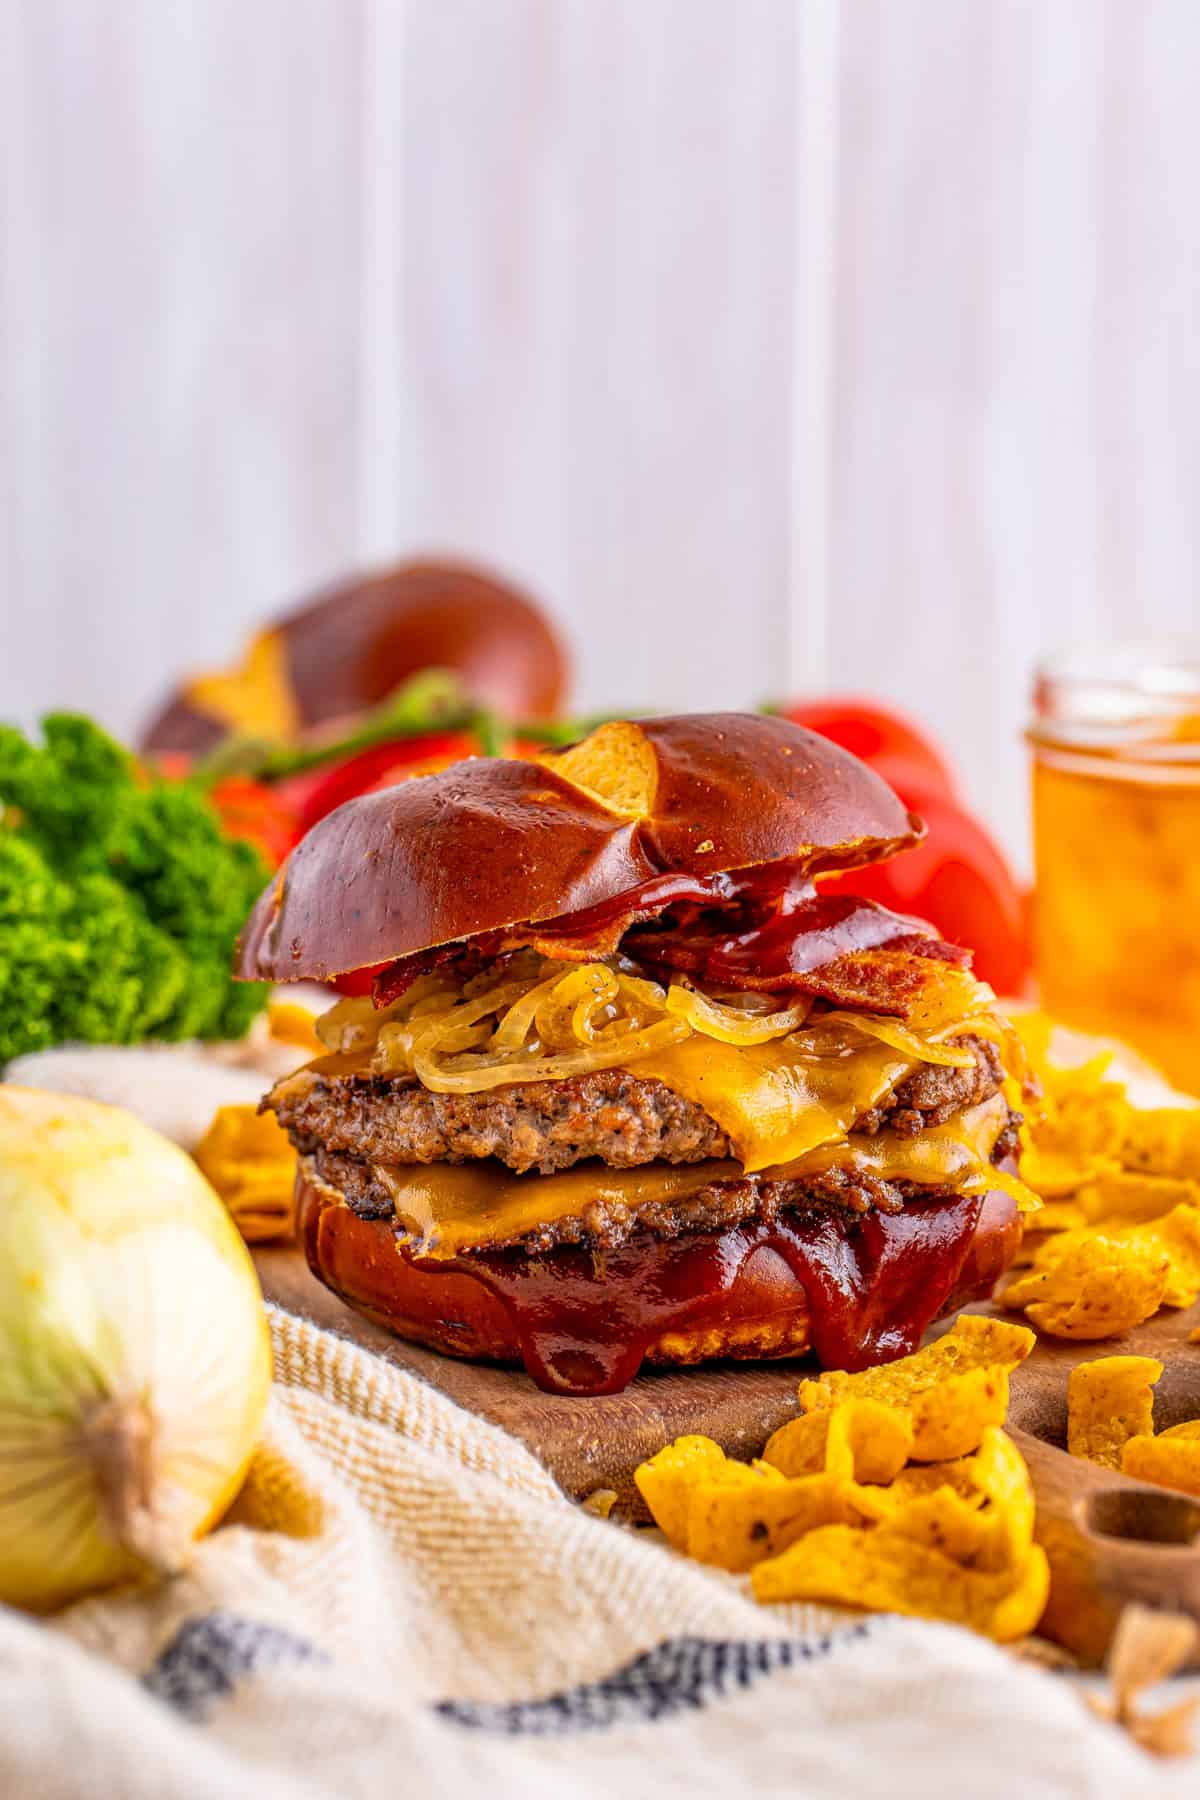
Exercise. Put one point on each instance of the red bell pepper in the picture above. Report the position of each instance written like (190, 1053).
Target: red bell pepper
(958, 878)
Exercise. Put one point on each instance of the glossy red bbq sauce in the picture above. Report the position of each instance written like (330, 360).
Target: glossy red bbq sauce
(873, 1284)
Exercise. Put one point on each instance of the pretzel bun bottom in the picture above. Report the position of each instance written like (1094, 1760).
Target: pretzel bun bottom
(532, 1310)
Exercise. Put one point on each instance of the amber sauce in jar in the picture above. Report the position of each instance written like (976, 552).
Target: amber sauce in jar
(1116, 823)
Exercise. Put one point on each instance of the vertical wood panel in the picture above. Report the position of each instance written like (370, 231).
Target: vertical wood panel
(816, 154)
(679, 396)
(1148, 350)
(921, 220)
(596, 319)
(386, 488)
(481, 318)
(185, 283)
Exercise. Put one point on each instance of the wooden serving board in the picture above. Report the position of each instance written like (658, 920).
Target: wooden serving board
(1110, 1540)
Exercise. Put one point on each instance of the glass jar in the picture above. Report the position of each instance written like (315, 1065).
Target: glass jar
(1116, 826)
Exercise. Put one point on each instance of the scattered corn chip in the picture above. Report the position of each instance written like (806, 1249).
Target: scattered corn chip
(942, 1520)
(889, 1572)
(1163, 1140)
(993, 1485)
(1109, 1401)
(667, 1479)
(834, 1511)
(998, 1471)
(951, 1390)
(860, 1440)
(1058, 1215)
(867, 1441)
(1177, 1236)
(950, 1420)
(1056, 1174)
(1087, 1285)
(798, 1448)
(735, 1525)
(290, 1023)
(1089, 1147)
(248, 1159)
(1148, 1647)
(734, 1514)
(917, 1480)
(1122, 1198)
(1171, 1461)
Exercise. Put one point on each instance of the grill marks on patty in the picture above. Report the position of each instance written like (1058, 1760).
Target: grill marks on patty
(623, 1119)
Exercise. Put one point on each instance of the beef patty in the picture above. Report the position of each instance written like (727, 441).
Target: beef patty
(624, 1119)
(604, 1224)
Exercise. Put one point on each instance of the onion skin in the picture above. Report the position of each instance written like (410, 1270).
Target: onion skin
(135, 1361)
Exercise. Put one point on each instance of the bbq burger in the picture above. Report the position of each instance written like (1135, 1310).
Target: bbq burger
(629, 1088)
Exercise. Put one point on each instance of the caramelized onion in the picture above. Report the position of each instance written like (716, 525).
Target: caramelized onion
(350, 1025)
(732, 1024)
(472, 1074)
(578, 1007)
(531, 1018)
(910, 1043)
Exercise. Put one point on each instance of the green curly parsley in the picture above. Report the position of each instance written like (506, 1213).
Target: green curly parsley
(120, 899)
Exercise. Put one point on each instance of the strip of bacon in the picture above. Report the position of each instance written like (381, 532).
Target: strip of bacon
(757, 929)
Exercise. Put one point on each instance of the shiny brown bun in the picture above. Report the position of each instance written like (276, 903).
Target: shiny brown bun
(491, 843)
(350, 647)
(766, 1314)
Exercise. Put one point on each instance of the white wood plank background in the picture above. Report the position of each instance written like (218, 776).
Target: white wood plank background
(776, 346)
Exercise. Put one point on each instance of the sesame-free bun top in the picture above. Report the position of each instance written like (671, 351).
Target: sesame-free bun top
(492, 843)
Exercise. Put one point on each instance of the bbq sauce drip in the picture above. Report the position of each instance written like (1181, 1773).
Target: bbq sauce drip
(873, 1284)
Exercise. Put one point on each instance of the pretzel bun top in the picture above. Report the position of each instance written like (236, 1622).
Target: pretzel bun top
(492, 843)
(355, 643)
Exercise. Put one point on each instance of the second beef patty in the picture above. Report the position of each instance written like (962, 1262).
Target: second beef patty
(624, 1119)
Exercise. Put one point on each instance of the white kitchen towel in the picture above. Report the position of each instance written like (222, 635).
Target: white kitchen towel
(402, 1603)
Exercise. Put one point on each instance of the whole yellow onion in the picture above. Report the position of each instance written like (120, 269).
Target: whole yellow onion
(135, 1362)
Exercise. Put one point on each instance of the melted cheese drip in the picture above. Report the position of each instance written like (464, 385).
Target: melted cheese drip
(777, 1101)
(446, 1210)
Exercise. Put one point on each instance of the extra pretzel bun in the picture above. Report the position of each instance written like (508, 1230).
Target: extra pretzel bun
(354, 644)
(491, 843)
(765, 1315)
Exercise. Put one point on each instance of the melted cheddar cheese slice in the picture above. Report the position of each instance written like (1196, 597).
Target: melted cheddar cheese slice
(776, 1101)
